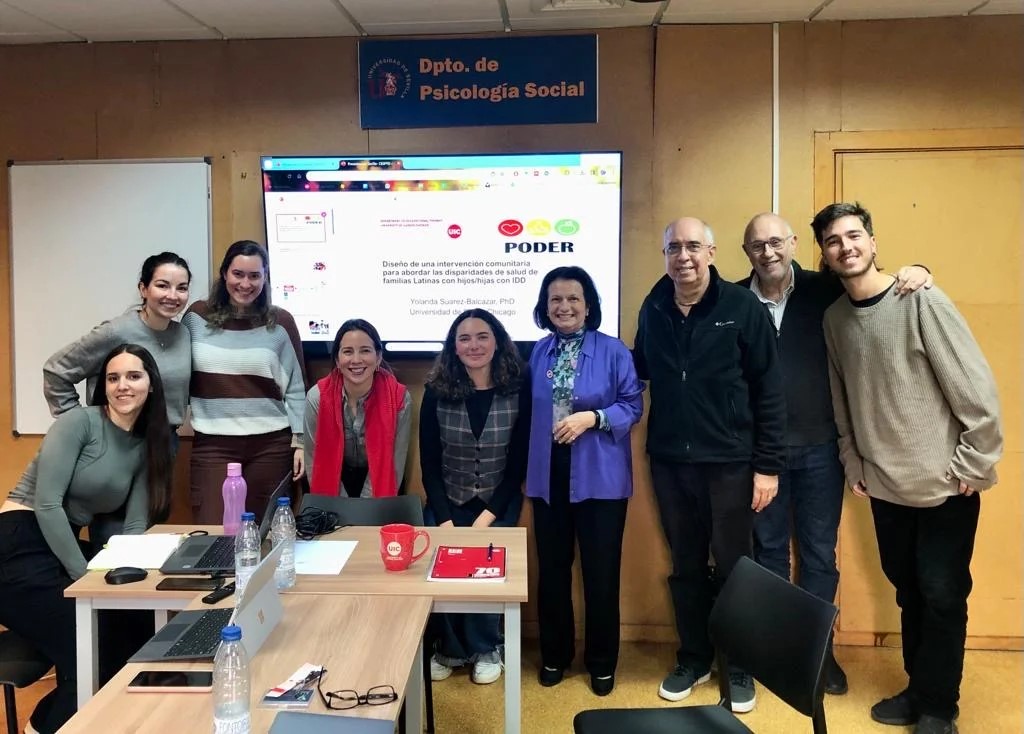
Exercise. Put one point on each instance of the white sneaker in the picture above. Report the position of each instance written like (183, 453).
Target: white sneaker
(486, 672)
(438, 670)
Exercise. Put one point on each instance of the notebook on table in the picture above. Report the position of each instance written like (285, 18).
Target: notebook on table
(468, 563)
(211, 553)
(195, 634)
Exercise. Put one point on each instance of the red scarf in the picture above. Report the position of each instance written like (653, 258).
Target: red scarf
(382, 406)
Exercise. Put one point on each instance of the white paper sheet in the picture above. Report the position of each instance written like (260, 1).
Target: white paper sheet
(141, 551)
(322, 557)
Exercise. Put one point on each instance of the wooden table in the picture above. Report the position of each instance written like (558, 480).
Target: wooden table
(363, 574)
(343, 633)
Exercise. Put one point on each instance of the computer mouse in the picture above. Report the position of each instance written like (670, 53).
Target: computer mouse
(125, 575)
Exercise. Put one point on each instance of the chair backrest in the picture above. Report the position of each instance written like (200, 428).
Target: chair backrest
(407, 508)
(775, 631)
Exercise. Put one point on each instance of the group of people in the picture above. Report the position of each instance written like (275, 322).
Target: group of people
(767, 396)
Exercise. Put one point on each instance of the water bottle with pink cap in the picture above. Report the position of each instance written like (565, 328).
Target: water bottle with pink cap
(234, 490)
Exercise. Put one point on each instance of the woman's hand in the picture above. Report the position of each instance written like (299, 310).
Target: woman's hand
(484, 519)
(569, 429)
(298, 465)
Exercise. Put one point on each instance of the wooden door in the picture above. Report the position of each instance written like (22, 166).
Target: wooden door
(952, 201)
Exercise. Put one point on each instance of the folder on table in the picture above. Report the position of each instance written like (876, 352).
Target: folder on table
(468, 563)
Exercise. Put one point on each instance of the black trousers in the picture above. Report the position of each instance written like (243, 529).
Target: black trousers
(703, 507)
(926, 554)
(32, 604)
(597, 525)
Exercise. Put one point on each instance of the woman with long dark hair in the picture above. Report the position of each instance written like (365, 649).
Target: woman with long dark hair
(94, 459)
(357, 420)
(248, 385)
(474, 431)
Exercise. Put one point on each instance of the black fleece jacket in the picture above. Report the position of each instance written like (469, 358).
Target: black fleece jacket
(801, 340)
(716, 385)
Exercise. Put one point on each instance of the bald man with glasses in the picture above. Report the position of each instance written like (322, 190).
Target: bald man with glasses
(715, 435)
(810, 494)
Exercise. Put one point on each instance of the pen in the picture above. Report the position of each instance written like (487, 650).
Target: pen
(490, 550)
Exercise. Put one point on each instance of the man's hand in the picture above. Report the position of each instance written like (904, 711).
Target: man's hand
(911, 277)
(860, 490)
(484, 519)
(569, 429)
(298, 465)
(964, 489)
(766, 486)
(447, 524)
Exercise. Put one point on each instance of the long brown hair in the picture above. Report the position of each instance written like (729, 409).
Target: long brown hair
(263, 313)
(151, 426)
(449, 378)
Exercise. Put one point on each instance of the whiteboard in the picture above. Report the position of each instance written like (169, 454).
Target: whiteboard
(79, 233)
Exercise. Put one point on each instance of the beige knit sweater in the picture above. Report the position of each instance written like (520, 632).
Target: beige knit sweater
(914, 398)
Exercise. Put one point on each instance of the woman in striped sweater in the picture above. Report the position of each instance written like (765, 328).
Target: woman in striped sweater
(248, 385)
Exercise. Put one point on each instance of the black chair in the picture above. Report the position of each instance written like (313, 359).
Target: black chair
(376, 511)
(773, 630)
(21, 665)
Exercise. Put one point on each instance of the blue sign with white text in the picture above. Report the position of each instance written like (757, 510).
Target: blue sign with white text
(478, 81)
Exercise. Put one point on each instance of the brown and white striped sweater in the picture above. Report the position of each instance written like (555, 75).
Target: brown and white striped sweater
(914, 398)
(246, 380)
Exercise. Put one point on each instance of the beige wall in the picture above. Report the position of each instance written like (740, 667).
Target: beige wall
(694, 124)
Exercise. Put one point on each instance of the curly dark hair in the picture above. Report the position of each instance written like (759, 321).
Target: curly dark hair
(263, 313)
(151, 426)
(448, 376)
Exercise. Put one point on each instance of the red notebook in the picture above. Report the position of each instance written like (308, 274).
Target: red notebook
(468, 563)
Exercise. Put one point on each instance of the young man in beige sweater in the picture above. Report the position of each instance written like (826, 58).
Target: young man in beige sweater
(919, 434)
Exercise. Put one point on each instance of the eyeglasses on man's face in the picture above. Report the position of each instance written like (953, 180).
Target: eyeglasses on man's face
(349, 699)
(757, 247)
(675, 248)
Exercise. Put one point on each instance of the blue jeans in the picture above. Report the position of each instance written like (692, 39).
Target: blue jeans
(808, 506)
(463, 638)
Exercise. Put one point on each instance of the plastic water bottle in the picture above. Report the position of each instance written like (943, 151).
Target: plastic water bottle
(247, 552)
(282, 530)
(231, 684)
(234, 490)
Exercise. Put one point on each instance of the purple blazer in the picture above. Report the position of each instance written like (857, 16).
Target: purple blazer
(602, 461)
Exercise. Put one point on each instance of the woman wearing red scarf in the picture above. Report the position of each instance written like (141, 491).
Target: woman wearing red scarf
(357, 420)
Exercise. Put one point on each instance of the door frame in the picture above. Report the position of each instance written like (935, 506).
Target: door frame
(829, 148)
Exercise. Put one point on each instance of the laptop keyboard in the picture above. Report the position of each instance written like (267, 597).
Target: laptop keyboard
(221, 554)
(202, 638)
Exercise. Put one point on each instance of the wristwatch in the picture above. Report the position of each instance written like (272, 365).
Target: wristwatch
(597, 416)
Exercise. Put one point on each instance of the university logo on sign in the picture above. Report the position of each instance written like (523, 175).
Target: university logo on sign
(386, 78)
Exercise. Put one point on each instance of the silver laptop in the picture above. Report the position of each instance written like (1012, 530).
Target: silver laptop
(195, 634)
(294, 722)
(216, 553)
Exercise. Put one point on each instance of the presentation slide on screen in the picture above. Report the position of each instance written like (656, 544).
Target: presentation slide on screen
(410, 242)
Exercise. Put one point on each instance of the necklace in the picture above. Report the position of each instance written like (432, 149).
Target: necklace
(681, 304)
(160, 336)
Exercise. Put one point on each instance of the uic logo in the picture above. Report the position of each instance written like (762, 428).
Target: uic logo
(394, 548)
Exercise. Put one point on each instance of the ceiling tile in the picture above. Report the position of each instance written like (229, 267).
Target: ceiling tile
(872, 9)
(270, 18)
(17, 26)
(1001, 7)
(528, 15)
(111, 19)
(739, 11)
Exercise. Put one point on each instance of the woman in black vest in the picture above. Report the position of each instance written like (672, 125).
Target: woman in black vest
(474, 434)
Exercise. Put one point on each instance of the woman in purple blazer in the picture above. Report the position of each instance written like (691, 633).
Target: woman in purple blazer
(586, 398)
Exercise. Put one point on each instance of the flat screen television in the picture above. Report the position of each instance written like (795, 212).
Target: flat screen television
(408, 242)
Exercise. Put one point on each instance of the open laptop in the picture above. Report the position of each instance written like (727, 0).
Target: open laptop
(195, 634)
(216, 553)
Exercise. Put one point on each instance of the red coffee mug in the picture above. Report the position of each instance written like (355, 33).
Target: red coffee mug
(397, 545)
